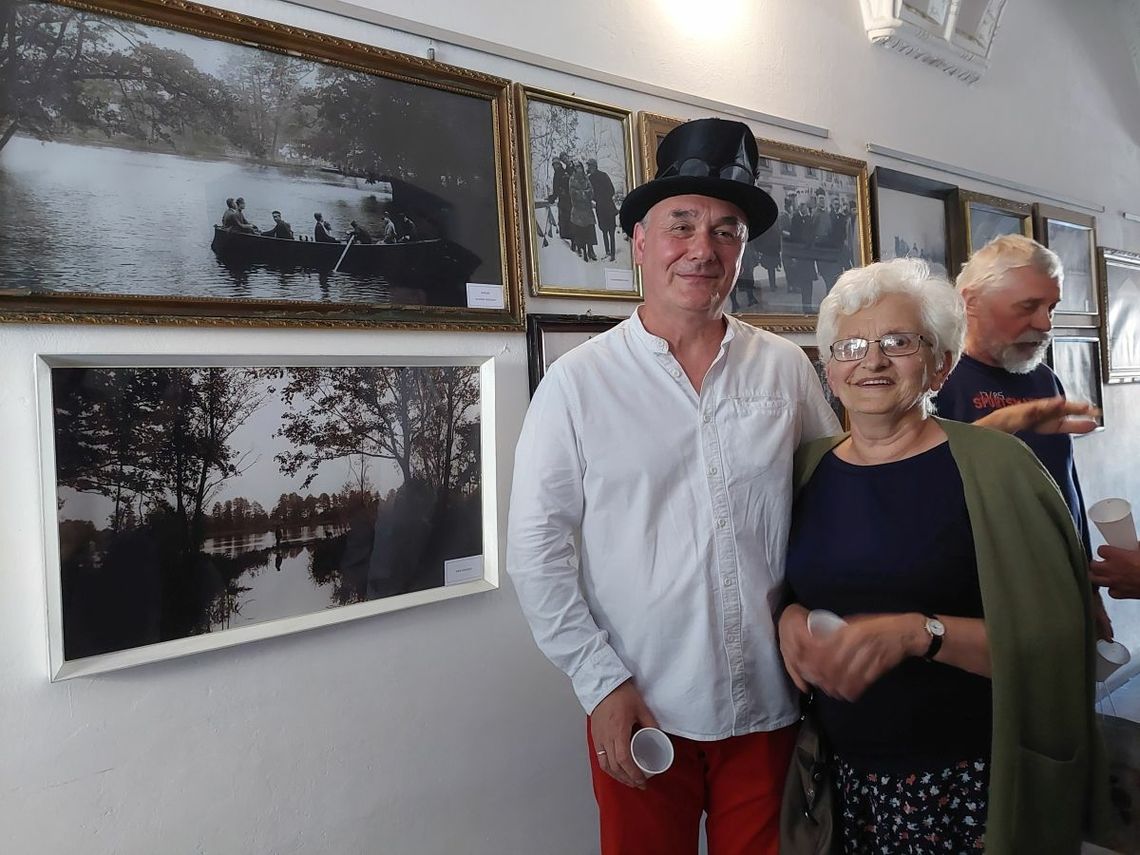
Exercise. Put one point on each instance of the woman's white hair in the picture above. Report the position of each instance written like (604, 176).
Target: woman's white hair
(987, 267)
(941, 308)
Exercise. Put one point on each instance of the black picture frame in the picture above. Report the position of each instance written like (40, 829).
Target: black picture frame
(137, 186)
(1076, 360)
(812, 352)
(549, 336)
(885, 219)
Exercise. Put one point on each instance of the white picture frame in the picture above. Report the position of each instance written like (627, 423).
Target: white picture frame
(485, 367)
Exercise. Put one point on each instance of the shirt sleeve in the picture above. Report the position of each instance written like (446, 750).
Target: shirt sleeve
(545, 520)
(817, 418)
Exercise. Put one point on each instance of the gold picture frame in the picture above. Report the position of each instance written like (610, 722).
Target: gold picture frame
(358, 133)
(651, 129)
(577, 166)
(984, 217)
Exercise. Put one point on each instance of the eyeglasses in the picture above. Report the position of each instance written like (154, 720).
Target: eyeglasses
(698, 168)
(892, 344)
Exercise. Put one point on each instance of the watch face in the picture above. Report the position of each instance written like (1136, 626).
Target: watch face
(935, 627)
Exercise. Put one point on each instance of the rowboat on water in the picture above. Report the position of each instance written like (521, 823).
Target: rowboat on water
(424, 261)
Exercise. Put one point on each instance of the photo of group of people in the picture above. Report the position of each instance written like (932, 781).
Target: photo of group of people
(793, 265)
(578, 173)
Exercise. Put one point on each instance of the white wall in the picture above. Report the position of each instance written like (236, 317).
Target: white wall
(441, 729)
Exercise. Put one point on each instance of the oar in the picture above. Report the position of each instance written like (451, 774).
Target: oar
(351, 238)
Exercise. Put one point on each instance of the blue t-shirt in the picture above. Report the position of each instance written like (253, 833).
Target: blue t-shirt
(974, 390)
(894, 538)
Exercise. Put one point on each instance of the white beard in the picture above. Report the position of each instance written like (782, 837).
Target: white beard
(1013, 360)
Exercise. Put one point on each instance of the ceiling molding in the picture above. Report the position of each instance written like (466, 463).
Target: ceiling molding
(954, 36)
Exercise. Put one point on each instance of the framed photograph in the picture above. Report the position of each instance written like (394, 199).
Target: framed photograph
(1072, 236)
(1120, 308)
(840, 411)
(578, 168)
(1076, 360)
(651, 129)
(198, 503)
(914, 218)
(984, 217)
(551, 336)
(824, 228)
(191, 165)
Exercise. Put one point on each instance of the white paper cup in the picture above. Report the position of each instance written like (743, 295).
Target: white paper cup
(1113, 517)
(822, 623)
(652, 751)
(1110, 655)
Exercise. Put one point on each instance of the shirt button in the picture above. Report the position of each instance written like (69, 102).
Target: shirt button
(712, 470)
(721, 523)
(675, 373)
(728, 581)
(707, 418)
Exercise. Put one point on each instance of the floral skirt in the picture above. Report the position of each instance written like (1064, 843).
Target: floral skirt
(913, 813)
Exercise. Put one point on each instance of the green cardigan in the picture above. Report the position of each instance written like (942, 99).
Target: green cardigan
(1048, 778)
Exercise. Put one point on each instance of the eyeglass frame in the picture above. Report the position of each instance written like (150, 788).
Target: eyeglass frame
(869, 341)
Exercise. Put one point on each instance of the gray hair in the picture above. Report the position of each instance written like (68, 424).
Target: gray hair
(988, 266)
(942, 310)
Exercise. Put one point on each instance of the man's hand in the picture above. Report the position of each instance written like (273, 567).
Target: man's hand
(1045, 415)
(794, 643)
(612, 724)
(1119, 572)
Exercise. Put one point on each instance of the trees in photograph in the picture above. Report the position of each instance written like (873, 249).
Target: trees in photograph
(156, 447)
(555, 130)
(66, 71)
(75, 75)
(422, 422)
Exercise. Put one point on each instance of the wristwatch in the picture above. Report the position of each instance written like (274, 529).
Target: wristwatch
(936, 629)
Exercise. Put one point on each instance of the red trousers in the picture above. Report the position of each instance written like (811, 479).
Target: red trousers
(738, 782)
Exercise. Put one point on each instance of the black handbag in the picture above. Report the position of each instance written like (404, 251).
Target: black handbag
(808, 824)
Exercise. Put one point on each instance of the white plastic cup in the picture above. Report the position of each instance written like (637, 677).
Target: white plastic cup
(1110, 655)
(1113, 517)
(822, 623)
(652, 751)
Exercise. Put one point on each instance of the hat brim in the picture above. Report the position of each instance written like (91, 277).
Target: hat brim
(759, 208)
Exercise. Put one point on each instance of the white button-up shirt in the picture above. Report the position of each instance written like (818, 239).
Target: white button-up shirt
(648, 523)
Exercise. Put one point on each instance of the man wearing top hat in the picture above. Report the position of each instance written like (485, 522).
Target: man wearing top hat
(650, 513)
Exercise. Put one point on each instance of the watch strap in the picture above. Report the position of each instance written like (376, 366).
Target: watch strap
(935, 640)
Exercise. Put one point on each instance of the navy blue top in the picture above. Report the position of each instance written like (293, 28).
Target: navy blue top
(975, 389)
(894, 538)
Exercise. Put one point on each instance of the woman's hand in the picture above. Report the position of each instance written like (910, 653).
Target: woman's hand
(847, 662)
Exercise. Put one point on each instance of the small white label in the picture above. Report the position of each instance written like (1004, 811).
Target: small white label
(485, 296)
(459, 570)
(618, 279)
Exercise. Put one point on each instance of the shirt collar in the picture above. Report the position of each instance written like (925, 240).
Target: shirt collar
(656, 344)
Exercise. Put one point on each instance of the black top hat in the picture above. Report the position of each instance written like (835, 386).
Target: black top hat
(705, 157)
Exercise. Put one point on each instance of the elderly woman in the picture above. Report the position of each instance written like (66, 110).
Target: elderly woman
(958, 697)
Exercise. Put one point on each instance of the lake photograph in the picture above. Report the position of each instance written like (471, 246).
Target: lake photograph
(194, 500)
(142, 161)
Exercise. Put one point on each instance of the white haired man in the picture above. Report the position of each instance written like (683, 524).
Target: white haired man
(1011, 287)
(650, 512)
